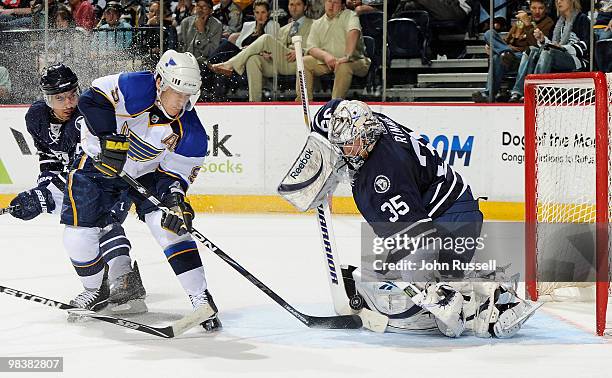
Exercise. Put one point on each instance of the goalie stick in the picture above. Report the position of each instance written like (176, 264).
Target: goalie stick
(372, 320)
(177, 328)
(327, 322)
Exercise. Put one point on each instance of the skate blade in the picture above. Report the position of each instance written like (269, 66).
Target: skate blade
(523, 318)
(134, 306)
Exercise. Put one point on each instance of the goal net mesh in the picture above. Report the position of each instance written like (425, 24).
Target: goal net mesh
(565, 123)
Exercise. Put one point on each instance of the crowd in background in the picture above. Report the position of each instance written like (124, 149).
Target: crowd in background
(240, 43)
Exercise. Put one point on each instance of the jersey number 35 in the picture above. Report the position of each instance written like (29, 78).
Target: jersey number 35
(396, 207)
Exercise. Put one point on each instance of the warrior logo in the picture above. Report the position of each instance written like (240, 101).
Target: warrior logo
(381, 184)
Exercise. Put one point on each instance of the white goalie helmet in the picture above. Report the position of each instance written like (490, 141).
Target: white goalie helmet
(181, 72)
(353, 123)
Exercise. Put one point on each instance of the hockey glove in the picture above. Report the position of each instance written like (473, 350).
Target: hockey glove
(29, 204)
(114, 152)
(180, 219)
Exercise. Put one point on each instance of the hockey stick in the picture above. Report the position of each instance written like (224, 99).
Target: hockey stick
(7, 210)
(178, 327)
(328, 322)
(372, 320)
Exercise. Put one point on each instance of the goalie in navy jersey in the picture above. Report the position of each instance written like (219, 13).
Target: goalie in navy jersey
(144, 124)
(405, 191)
(52, 125)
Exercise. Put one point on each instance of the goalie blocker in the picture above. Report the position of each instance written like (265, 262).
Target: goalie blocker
(316, 172)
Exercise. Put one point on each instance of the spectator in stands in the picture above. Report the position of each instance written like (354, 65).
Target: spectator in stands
(136, 12)
(568, 51)
(439, 10)
(259, 56)
(83, 13)
(5, 84)
(316, 9)
(251, 30)
(365, 6)
(230, 16)
(603, 30)
(200, 33)
(499, 15)
(335, 45)
(108, 36)
(507, 51)
(170, 35)
(15, 14)
(148, 39)
(183, 10)
(63, 18)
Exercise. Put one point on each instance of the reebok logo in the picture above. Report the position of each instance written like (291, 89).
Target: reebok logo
(302, 163)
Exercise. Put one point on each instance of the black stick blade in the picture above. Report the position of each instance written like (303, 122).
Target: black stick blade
(335, 322)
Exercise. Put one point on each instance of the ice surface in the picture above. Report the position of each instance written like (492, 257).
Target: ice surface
(259, 338)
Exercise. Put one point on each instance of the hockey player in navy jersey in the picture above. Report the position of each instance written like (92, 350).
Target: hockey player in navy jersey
(405, 191)
(51, 123)
(142, 123)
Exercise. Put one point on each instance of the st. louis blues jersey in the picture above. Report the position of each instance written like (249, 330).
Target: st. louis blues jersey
(404, 180)
(125, 104)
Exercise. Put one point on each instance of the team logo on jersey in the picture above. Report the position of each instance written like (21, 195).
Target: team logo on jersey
(382, 184)
(154, 118)
(54, 132)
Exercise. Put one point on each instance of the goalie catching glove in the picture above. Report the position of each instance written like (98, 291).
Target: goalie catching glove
(181, 214)
(113, 154)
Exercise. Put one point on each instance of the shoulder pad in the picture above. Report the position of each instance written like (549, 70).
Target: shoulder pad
(194, 141)
(37, 113)
(138, 90)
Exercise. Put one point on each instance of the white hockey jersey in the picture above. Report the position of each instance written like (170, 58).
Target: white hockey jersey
(125, 104)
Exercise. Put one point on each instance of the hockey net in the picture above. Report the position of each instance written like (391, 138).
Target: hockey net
(568, 188)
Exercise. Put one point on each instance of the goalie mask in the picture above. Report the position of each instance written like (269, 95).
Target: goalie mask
(181, 72)
(354, 130)
(316, 172)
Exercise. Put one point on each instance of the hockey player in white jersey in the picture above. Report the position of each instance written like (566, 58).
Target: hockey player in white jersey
(142, 123)
(52, 125)
(404, 190)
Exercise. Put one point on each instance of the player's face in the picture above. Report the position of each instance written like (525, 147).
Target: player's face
(173, 101)
(64, 104)
(353, 148)
(296, 9)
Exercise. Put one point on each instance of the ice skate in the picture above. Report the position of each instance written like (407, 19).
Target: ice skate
(89, 300)
(210, 325)
(127, 294)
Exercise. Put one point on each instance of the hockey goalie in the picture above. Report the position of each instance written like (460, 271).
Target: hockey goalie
(405, 191)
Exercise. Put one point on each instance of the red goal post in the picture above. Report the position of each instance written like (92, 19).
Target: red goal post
(565, 188)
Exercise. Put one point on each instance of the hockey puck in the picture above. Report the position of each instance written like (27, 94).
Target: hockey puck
(356, 302)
